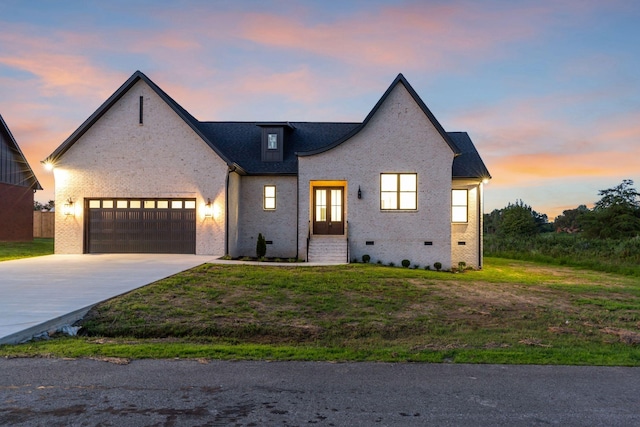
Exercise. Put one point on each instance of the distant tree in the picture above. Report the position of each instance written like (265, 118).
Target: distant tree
(37, 206)
(571, 220)
(518, 220)
(492, 221)
(622, 194)
(616, 215)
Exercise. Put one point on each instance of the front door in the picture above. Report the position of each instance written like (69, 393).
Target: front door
(328, 212)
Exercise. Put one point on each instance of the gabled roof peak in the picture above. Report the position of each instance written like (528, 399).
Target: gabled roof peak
(400, 79)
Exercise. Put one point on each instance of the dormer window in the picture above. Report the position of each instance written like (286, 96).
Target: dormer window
(272, 141)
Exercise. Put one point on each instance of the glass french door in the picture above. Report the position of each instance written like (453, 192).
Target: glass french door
(328, 210)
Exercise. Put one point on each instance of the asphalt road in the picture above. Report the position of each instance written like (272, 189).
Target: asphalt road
(55, 392)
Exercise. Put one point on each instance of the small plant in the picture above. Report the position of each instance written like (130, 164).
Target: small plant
(277, 260)
(366, 258)
(226, 257)
(461, 266)
(379, 262)
(437, 266)
(261, 246)
(392, 264)
(406, 263)
(292, 260)
(427, 267)
(416, 266)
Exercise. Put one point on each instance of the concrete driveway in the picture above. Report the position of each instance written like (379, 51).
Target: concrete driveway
(44, 293)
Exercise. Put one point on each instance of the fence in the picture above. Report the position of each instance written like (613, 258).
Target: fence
(43, 224)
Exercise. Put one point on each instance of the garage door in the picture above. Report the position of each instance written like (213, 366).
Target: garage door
(141, 226)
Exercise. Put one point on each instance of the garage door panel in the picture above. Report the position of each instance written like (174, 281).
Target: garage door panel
(141, 226)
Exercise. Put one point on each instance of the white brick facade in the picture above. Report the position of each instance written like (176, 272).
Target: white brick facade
(171, 155)
(399, 138)
(118, 157)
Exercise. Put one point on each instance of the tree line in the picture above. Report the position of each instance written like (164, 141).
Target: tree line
(615, 216)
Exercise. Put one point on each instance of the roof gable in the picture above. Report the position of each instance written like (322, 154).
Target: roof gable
(400, 79)
(137, 76)
(16, 168)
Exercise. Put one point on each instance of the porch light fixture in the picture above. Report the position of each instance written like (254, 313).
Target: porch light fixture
(67, 208)
(208, 209)
(359, 193)
(48, 165)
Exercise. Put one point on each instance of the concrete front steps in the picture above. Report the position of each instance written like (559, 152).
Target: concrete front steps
(329, 249)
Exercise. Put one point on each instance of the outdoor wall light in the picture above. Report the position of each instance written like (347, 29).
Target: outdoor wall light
(359, 193)
(48, 165)
(208, 209)
(67, 208)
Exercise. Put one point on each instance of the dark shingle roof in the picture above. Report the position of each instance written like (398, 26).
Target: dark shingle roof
(468, 164)
(239, 143)
(17, 172)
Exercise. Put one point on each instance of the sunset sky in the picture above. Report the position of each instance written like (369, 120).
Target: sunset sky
(549, 91)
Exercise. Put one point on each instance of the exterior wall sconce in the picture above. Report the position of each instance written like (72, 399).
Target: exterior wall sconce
(208, 209)
(67, 208)
(359, 193)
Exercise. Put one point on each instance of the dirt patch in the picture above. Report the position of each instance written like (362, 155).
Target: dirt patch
(625, 336)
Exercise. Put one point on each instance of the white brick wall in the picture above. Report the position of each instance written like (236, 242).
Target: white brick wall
(399, 138)
(467, 232)
(278, 226)
(117, 157)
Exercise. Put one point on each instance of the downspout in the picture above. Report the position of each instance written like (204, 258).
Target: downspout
(230, 168)
(226, 212)
(480, 224)
(297, 216)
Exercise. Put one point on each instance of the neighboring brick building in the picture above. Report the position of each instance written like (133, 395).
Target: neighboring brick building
(17, 186)
(143, 175)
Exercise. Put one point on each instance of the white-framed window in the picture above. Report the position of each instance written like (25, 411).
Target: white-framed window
(459, 205)
(398, 191)
(269, 197)
(272, 141)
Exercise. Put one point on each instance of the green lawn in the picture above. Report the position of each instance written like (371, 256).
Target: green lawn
(16, 250)
(510, 312)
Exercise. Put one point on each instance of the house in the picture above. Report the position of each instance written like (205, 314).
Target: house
(141, 174)
(17, 187)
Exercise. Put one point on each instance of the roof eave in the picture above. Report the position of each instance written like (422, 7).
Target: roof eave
(35, 184)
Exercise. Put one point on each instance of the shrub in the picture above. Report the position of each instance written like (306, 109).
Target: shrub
(427, 267)
(416, 266)
(406, 263)
(392, 264)
(437, 266)
(261, 246)
(366, 258)
(461, 266)
(379, 262)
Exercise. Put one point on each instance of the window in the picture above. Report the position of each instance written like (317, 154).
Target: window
(269, 197)
(272, 141)
(398, 191)
(459, 203)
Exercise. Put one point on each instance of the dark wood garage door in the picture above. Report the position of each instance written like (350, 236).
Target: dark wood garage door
(141, 226)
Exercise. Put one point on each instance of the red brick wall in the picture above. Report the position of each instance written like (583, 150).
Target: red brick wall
(16, 213)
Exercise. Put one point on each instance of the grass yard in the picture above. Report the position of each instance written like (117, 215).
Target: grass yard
(16, 250)
(510, 312)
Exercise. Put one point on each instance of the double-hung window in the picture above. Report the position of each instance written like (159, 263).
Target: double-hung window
(269, 197)
(398, 191)
(459, 205)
